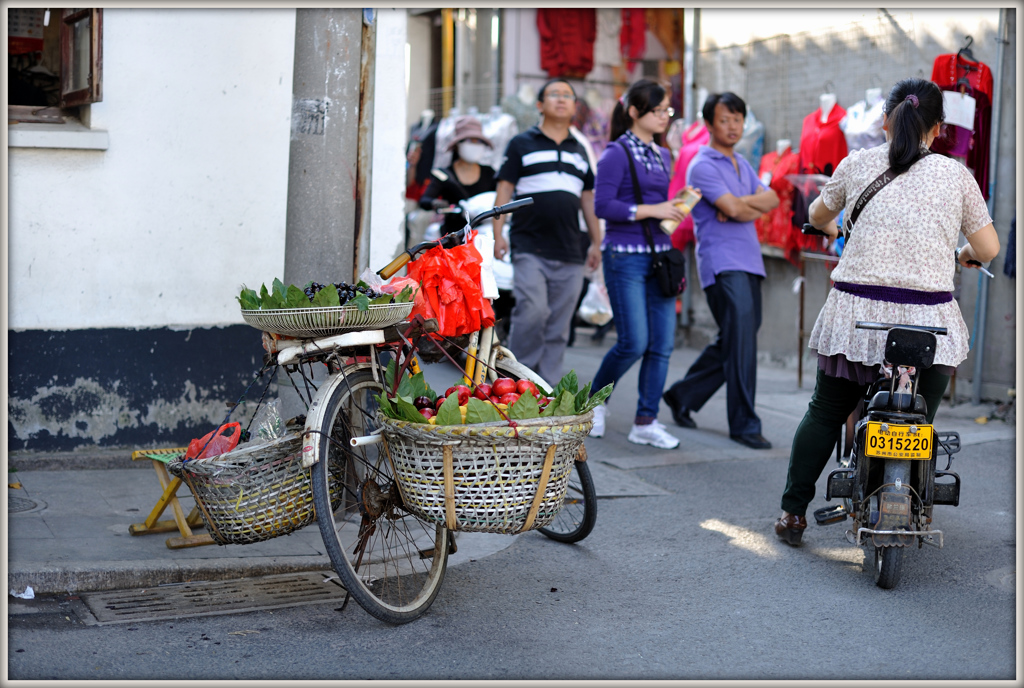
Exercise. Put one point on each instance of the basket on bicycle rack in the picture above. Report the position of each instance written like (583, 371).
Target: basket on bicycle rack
(327, 320)
(485, 477)
(254, 493)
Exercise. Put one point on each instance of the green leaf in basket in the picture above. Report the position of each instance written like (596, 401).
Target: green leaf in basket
(360, 301)
(382, 300)
(249, 299)
(407, 411)
(569, 382)
(524, 408)
(563, 405)
(326, 297)
(582, 396)
(269, 301)
(598, 398)
(405, 296)
(479, 411)
(296, 298)
(449, 413)
(387, 407)
(416, 386)
(279, 290)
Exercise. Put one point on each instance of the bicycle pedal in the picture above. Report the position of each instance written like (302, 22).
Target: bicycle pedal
(830, 514)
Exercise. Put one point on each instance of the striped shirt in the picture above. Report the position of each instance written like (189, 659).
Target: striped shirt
(555, 175)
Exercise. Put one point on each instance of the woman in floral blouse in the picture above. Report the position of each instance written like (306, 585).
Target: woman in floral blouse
(897, 267)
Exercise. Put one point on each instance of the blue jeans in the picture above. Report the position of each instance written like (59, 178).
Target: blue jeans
(645, 324)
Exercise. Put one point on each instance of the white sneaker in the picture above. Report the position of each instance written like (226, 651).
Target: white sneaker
(598, 429)
(654, 434)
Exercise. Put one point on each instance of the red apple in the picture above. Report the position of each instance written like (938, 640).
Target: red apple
(495, 400)
(524, 386)
(509, 398)
(451, 390)
(464, 394)
(423, 402)
(440, 400)
(482, 391)
(427, 413)
(503, 385)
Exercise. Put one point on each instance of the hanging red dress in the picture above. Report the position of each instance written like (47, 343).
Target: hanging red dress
(954, 72)
(822, 144)
(567, 41)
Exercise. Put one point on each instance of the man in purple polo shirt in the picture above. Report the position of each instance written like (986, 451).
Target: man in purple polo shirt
(731, 269)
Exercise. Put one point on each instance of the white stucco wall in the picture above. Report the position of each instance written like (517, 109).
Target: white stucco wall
(387, 200)
(188, 201)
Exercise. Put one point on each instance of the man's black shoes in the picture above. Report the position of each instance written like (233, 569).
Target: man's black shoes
(679, 414)
(753, 440)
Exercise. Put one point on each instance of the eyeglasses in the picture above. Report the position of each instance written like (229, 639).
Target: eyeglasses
(559, 96)
(664, 112)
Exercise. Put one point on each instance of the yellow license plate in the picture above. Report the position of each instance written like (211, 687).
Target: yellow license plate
(892, 441)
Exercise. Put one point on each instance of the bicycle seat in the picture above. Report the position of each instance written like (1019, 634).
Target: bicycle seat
(908, 347)
(901, 403)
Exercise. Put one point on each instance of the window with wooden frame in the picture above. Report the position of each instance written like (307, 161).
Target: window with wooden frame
(55, 63)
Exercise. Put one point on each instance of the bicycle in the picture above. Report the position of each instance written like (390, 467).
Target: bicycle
(389, 560)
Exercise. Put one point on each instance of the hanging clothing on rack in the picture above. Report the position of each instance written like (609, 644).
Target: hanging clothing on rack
(606, 44)
(954, 72)
(499, 127)
(633, 38)
(593, 125)
(567, 41)
(667, 27)
(775, 228)
(822, 144)
(862, 125)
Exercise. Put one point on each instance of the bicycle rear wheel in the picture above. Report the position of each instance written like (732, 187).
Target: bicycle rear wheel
(579, 513)
(389, 560)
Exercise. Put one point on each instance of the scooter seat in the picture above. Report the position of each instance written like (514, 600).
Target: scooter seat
(880, 402)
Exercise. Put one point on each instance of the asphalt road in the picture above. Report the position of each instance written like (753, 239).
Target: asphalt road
(686, 583)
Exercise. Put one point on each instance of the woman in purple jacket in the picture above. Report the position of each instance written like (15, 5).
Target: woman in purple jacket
(644, 318)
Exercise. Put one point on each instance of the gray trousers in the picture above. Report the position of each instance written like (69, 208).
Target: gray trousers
(546, 293)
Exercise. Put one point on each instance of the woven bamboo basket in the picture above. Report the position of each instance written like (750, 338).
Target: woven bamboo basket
(255, 493)
(485, 477)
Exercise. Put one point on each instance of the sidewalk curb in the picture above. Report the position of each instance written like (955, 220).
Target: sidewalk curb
(46, 578)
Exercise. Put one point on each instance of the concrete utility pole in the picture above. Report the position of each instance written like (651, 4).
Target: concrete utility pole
(323, 191)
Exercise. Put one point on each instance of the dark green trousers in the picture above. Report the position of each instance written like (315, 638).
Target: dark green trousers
(833, 401)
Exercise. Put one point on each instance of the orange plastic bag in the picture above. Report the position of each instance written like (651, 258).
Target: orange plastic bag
(450, 289)
(219, 442)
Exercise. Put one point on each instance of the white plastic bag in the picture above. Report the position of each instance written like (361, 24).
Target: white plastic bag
(595, 308)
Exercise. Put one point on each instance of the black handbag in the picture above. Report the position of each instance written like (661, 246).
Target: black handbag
(668, 267)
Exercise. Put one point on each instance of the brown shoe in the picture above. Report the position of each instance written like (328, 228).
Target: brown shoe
(790, 528)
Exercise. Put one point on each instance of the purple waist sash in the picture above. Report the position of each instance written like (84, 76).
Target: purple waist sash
(895, 294)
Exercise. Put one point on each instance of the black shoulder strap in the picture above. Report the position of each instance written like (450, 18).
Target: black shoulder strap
(637, 195)
(872, 189)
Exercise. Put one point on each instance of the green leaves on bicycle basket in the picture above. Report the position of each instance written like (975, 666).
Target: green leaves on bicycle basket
(381, 300)
(386, 406)
(598, 398)
(569, 383)
(449, 413)
(405, 295)
(360, 301)
(326, 297)
(408, 411)
(410, 387)
(249, 299)
(269, 301)
(479, 411)
(279, 290)
(296, 298)
(563, 405)
(581, 397)
(524, 408)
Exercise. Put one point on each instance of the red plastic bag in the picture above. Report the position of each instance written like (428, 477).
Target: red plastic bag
(219, 442)
(450, 289)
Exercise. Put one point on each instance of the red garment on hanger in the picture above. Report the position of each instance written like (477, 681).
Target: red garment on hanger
(947, 70)
(822, 145)
(775, 228)
(567, 41)
(632, 38)
(695, 136)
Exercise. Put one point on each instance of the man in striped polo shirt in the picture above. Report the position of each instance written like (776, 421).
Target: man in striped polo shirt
(548, 164)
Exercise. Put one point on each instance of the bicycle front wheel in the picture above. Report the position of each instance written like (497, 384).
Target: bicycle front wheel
(579, 511)
(389, 560)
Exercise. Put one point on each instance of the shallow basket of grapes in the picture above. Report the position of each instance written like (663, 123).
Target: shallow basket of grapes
(485, 477)
(308, 323)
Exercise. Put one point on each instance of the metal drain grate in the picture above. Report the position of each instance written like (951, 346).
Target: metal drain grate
(18, 504)
(207, 598)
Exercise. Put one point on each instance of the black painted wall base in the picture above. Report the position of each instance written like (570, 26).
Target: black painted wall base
(79, 389)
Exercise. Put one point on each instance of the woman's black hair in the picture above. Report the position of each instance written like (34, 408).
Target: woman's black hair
(913, 107)
(731, 101)
(644, 95)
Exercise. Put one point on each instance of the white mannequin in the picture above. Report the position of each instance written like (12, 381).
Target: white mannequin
(495, 111)
(473, 110)
(872, 96)
(781, 145)
(826, 101)
(527, 95)
(454, 112)
(426, 117)
(593, 98)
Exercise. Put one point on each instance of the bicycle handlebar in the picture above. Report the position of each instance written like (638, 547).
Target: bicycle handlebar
(811, 230)
(450, 240)
(864, 325)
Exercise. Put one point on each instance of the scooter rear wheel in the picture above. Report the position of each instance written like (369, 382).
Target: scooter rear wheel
(888, 566)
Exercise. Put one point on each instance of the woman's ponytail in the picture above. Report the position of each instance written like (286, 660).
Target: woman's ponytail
(913, 107)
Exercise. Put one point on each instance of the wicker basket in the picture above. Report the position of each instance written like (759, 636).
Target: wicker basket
(328, 320)
(483, 477)
(254, 493)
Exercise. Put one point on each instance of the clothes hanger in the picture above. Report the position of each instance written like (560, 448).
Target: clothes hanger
(965, 51)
